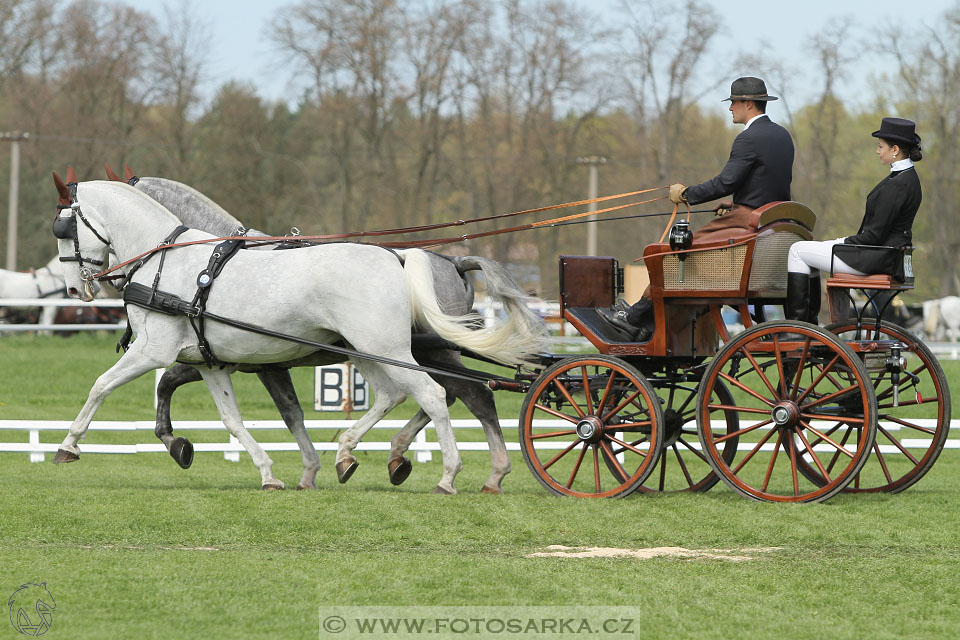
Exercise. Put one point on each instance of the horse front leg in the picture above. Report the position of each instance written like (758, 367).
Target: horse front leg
(279, 385)
(221, 388)
(399, 466)
(133, 364)
(180, 449)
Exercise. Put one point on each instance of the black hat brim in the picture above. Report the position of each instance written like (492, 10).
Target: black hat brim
(757, 99)
(892, 137)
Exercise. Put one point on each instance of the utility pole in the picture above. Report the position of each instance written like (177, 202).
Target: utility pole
(593, 162)
(14, 138)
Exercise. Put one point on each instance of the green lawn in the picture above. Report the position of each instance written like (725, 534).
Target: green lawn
(133, 546)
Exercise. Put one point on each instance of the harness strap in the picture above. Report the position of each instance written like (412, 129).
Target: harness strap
(222, 253)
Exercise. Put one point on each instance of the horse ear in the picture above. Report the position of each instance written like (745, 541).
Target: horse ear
(111, 175)
(128, 173)
(62, 189)
(72, 175)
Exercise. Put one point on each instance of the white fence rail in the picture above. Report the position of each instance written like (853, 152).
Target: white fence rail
(231, 448)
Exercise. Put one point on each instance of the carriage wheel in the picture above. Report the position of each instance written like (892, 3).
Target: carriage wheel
(790, 380)
(925, 393)
(683, 466)
(596, 404)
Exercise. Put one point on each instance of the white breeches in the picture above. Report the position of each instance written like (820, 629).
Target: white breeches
(807, 254)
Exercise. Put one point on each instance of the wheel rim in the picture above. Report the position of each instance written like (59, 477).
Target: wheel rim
(904, 449)
(575, 454)
(791, 381)
(683, 466)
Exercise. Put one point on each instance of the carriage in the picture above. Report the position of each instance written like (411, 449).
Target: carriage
(785, 411)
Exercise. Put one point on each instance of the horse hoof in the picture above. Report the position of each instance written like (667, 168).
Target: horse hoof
(345, 468)
(399, 469)
(489, 489)
(443, 492)
(305, 487)
(181, 450)
(63, 456)
(273, 486)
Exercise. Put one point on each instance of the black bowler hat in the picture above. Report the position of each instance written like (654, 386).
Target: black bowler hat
(749, 88)
(898, 130)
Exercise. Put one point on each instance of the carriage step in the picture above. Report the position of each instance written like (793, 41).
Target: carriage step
(880, 282)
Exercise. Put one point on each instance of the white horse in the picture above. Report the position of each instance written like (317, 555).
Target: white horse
(360, 294)
(45, 282)
(454, 293)
(941, 318)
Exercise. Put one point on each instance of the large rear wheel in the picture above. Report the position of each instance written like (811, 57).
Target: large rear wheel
(590, 427)
(910, 433)
(790, 380)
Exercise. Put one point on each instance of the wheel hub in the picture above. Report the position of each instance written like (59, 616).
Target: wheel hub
(785, 415)
(590, 429)
(673, 427)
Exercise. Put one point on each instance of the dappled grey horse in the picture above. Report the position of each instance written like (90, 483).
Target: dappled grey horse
(454, 293)
(364, 295)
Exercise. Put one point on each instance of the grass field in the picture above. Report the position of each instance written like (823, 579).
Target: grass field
(133, 546)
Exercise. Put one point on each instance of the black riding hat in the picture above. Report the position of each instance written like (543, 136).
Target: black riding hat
(749, 88)
(898, 130)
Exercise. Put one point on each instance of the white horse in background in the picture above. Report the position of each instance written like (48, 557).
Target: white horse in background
(45, 282)
(367, 296)
(941, 319)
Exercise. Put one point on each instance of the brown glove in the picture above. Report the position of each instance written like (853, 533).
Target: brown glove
(723, 208)
(678, 193)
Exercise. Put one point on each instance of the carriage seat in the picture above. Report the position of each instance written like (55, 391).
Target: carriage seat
(752, 265)
(839, 286)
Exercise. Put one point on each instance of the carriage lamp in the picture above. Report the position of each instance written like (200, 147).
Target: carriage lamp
(681, 238)
(895, 364)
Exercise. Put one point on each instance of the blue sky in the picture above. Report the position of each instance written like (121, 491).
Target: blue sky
(240, 50)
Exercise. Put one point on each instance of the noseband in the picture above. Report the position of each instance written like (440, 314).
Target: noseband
(65, 228)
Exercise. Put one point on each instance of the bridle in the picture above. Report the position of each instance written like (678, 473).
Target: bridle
(65, 228)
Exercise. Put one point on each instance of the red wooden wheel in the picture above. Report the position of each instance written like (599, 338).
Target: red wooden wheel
(790, 380)
(596, 403)
(904, 449)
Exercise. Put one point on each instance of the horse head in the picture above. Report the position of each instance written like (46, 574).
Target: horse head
(80, 243)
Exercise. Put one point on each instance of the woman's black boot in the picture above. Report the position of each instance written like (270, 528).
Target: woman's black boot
(814, 299)
(797, 306)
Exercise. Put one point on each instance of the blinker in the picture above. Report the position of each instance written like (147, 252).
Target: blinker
(65, 227)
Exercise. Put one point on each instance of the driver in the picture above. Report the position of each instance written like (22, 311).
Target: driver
(759, 170)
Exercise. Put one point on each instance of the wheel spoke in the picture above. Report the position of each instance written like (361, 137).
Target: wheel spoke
(626, 446)
(699, 454)
(898, 445)
(759, 444)
(910, 425)
(586, 389)
(824, 438)
(831, 396)
(813, 455)
(596, 467)
(883, 463)
(553, 434)
(773, 461)
(576, 467)
(818, 379)
(556, 414)
(745, 388)
(613, 459)
(606, 417)
(730, 407)
(566, 394)
(683, 466)
(561, 454)
(759, 370)
(793, 465)
(743, 431)
(800, 368)
(606, 391)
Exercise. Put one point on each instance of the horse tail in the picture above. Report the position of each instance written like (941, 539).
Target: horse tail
(931, 318)
(510, 342)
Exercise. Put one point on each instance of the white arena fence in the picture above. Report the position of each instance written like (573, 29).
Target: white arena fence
(231, 448)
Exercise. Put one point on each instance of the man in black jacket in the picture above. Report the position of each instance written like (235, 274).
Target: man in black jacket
(759, 170)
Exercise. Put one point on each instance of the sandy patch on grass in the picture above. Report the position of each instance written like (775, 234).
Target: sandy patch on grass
(737, 555)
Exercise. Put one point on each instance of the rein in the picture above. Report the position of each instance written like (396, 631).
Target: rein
(103, 275)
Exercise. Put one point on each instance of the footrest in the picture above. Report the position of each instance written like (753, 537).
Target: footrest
(880, 281)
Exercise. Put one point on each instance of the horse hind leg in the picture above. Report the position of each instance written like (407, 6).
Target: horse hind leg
(280, 387)
(221, 388)
(479, 400)
(399, 466)
(180, 449)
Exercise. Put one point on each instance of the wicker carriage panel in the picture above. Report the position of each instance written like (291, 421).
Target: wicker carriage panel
(769, 270)
(717, 269)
